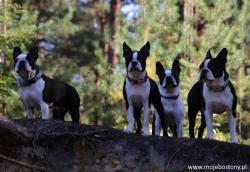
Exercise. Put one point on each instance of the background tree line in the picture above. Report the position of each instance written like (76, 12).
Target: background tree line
(81, 43)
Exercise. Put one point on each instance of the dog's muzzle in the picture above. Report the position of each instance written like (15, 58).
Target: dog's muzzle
(134, 67)
(169, 82)
(26, 75)
(204, 76)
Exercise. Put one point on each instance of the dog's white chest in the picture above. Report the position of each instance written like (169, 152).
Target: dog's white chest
(174, 109)
(138, 94)
(218, 102)
(172, 105)
(33, 95)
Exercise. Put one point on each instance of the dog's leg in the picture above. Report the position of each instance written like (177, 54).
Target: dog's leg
(146, 111)
(232, 127)
(179, 116)
(59, 113)
(29, 110)
(160, 110)
(156, 101)
(180, 128)
(44, 110)
(157, 124)
(209, 123)
(29, 113)
(153, 124)
(192, 112)
(174, 130)
(130, 113)
(202, 126)
(137, 116)
(75, 114)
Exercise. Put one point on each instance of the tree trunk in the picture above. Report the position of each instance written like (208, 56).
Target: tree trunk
(115, 8)
(188, 8)
(47, 145)
(4, 4)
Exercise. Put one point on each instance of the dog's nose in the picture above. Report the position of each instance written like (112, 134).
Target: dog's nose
(134, 64)
(203, 74)
(169, 80)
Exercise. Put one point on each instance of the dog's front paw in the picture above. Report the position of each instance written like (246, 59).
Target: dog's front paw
(234, 140)
(45, 117)
(209, 136)
(157, 134)
(127, 130)
(145, 132)
(30, 117)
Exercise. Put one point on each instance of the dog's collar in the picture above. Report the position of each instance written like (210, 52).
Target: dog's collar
(32, 81)
(35, 79)
(219, 88)
(170, 97)
(136, 82)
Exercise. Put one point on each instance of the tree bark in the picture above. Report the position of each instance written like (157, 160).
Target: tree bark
(115, 8)
(4, 4)
(66, 146)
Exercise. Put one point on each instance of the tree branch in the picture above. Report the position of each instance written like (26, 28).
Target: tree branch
(25, 164)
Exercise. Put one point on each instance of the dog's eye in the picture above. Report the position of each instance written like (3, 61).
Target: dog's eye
(139, 56)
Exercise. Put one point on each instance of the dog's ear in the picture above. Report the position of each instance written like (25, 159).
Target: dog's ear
(16, 52)
(126, 50)
(208, 55)
(159, 69)
(222, 56)
(34, 52)
(176, 66)
(33, 55)
(145, 50)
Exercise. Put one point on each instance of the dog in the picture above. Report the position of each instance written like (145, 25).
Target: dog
(171, 99)
(140, 91)
(37, 91)
(214, 93)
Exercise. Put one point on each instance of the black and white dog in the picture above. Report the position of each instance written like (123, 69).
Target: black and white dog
(38, 91)
(139, 90)
(171, 99)
(215, 95)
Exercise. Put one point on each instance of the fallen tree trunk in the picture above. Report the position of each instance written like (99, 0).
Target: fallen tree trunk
(36, 145)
